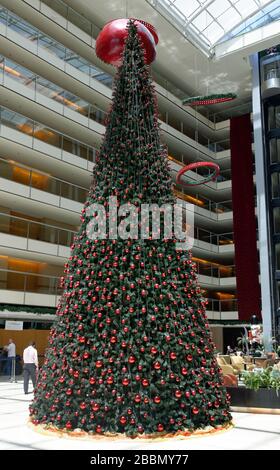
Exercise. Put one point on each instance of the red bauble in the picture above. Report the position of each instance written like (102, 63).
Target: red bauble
(160, 427)
(137, 398)
(123, 420)
(195, 411)
(110, 41)
(157, 399)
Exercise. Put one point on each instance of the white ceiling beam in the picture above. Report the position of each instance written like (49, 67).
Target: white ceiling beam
(251, 42)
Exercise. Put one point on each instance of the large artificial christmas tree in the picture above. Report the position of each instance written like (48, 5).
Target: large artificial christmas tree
(131, 351)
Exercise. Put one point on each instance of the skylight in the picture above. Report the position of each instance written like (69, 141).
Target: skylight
(207, 22)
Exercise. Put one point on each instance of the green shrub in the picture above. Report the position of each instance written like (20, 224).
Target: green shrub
(266, 378)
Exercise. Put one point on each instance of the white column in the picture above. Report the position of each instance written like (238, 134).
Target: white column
(262, 207)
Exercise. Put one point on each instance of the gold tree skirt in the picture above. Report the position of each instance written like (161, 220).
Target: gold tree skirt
(78, 433)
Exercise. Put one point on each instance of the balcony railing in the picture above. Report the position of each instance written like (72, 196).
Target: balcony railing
(214, 270)
(48, 135)
(69, 57)
(27, 283)
(41, 40)
(205, 203)
(35, 180)
(54, 234)
(31, 230)
(213, 238)
(215, 305)
(37, 85)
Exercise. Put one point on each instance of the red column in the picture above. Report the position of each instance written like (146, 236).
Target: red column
(244, 220)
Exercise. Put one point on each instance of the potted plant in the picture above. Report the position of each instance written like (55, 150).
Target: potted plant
(261, 389)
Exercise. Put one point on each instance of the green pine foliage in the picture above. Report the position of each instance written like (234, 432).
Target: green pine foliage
(131, 351)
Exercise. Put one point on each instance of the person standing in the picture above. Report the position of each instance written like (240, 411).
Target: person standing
(30, 359)
(11, 358)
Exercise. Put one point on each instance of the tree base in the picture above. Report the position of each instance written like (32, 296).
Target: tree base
(80, 434)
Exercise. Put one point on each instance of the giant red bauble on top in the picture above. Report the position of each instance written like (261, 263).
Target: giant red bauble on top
(110, 41)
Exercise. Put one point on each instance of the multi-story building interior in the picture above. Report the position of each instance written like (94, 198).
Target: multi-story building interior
(55, 94)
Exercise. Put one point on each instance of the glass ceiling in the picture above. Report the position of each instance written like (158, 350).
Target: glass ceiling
(208, 22)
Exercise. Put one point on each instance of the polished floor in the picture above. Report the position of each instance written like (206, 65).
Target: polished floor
(251, 431)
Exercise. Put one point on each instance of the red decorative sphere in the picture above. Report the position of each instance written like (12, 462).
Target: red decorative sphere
(123, 420)
(110, 41)
(160, 427)
(137, 398)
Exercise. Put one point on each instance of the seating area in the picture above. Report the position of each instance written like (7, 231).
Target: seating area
(235, 365)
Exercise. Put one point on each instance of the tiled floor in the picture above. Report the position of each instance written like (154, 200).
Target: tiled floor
(251, 431)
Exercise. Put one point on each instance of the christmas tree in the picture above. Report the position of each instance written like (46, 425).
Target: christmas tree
(131, 351)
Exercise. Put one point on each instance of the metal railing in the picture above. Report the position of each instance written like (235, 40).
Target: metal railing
(40, 132)
(21, 227)
(205, 203)
(53, 47)
(38, 85)
(36, 180)
(213, 238)
(27, 282)
(214, 270)
(70, 57)
(228, 305)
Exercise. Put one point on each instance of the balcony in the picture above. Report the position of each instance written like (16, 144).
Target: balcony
(50, 243)
(65, 60)
(24, 189)
(25, 288)
(45, 148)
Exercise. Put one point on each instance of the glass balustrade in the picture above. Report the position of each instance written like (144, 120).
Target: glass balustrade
(215, 305)
(44, 41)
(214, 270)
(41, 40)
(45, 232)
(25, 228)
(39, 85)
(200, 201)
(13, 171)
(213, 238)
(29, 283)
(39, 131)
(42, 284)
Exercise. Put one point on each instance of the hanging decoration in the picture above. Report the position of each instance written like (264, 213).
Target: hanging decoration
(203, 100)
(193, 166)
(110, 41)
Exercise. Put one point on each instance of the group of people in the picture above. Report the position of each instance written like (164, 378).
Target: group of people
(30, 362)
